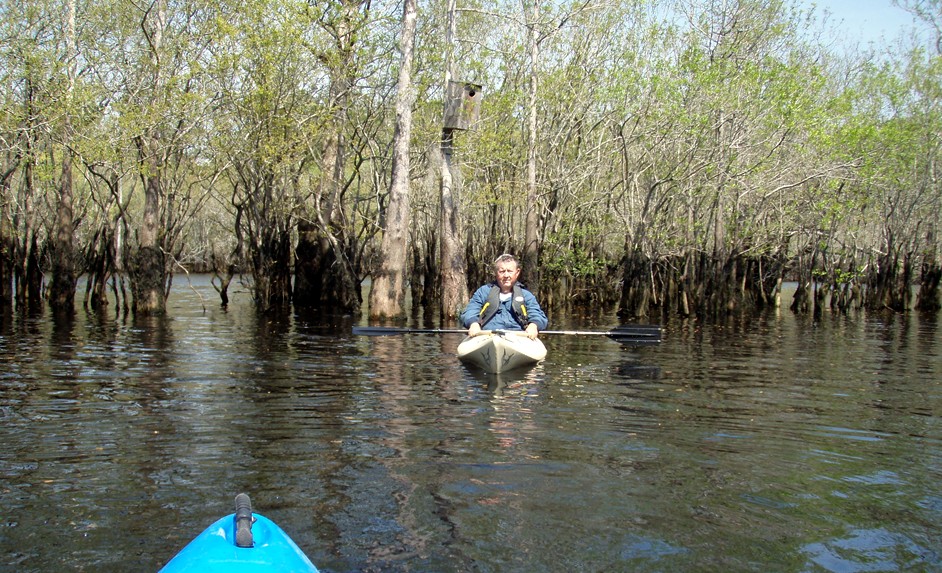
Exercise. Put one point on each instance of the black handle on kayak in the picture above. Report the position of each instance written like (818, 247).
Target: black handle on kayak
(243, 521)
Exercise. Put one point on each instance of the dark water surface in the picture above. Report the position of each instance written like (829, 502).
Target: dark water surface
(768, 445)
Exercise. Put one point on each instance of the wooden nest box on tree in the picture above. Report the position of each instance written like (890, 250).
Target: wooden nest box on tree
(462, 105)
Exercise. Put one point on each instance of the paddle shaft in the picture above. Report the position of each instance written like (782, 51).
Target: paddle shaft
(642, 334)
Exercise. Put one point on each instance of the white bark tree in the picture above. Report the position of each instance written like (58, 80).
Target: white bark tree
(387, 297)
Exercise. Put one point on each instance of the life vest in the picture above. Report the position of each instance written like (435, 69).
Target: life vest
(493, 303)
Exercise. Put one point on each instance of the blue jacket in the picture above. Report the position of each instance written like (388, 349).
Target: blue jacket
(504, 319)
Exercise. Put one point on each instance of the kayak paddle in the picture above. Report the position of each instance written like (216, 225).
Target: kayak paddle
(628, 334)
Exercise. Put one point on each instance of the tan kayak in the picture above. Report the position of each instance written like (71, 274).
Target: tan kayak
(499, 351)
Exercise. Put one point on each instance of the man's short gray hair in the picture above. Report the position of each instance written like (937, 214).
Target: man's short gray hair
(506, 258)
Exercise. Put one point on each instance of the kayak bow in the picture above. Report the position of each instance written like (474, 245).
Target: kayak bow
(497, 351)
(241, 543)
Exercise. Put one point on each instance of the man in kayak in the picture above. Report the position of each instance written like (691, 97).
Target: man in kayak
(504, 304)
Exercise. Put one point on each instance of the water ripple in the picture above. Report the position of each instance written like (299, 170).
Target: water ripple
(768, 444)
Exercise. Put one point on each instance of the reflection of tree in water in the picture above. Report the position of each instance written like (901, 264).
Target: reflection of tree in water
(333, 429)
(407, 393)
(293, 399)
(510, 438)
(636, 370)
(94, 410)
(396, 487)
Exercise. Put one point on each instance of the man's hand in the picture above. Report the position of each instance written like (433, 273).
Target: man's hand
(474, 329)
(532, 331)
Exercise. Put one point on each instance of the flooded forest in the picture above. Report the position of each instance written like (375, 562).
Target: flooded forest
(678, 158)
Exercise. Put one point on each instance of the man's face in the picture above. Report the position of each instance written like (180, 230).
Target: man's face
(507, 273)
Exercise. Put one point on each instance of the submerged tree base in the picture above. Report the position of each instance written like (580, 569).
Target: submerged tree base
(697, 285)
(928, 299)
(321, 278)
(148, 282)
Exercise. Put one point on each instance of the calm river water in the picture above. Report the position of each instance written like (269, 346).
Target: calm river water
(771, 444)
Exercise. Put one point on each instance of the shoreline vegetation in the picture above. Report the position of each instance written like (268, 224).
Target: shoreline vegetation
(677, 161)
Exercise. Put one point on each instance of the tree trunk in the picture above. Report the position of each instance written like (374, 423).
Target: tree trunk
(25, 252)
(62, 291)
(6, 244)
(928, 297)
(315, 260)
(147, 266)
(102, 256)
(277, 249)
(453, 269)
(324, 277)
(33, 295)
(100, 267)
(635, 294)
(387, 297)
(530, 261)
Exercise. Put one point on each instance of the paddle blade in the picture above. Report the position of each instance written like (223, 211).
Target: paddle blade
(636, 335)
